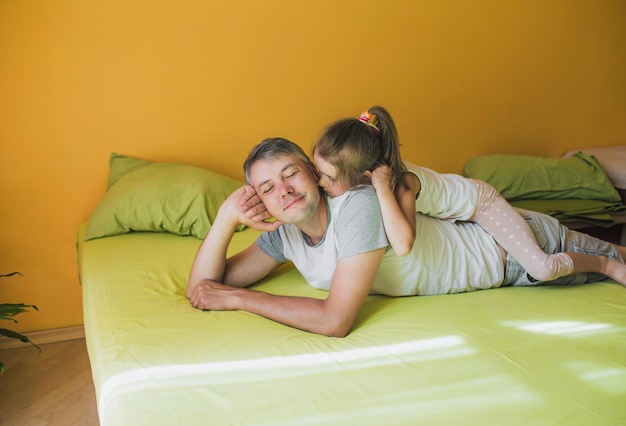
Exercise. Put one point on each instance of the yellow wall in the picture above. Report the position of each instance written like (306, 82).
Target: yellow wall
(200, 82)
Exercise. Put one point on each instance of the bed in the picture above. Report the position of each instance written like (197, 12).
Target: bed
(517, 356)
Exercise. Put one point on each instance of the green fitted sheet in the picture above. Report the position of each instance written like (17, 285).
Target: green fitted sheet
(515, 356)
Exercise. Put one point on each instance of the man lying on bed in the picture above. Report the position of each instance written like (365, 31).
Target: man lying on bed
(340, 245)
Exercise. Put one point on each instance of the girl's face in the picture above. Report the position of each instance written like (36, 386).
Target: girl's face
(328, 177)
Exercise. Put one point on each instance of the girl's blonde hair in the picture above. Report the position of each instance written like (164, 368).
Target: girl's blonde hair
(356, 145)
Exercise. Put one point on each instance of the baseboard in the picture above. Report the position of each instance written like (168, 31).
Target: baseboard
(45, 336)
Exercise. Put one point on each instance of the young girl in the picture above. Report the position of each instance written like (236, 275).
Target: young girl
(352, 151)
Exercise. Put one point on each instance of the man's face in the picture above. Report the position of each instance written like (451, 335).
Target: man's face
(286, 187)
(328, 177)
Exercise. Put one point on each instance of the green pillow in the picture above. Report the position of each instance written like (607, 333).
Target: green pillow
(525, 177)
(159, 197)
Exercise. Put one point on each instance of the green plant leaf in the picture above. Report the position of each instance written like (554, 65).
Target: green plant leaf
(8, 310)
(10, 275)
(15, 335)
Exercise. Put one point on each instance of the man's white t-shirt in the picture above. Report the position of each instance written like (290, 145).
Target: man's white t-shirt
(446, 257)
(354, 226)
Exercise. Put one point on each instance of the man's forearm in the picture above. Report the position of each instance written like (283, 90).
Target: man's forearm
(210, 260)
(304, 313)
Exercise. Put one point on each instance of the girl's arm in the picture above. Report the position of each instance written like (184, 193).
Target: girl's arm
(398, 207)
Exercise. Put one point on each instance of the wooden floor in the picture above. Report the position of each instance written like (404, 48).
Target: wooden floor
(51, 388)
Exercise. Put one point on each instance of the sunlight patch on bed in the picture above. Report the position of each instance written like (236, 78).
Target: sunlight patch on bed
(611, 380)
(564, 328)
(287, 366)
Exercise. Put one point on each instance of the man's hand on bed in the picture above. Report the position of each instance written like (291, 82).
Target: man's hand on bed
(212, 296)
(253, 208)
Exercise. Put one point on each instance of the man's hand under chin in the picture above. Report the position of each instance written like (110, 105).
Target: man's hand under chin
(253, 208)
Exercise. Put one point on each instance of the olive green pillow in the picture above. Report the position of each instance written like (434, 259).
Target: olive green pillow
(525, 177)
(144, 195)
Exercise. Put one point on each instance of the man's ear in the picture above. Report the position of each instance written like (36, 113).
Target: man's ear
(366, 177)
(316, 174)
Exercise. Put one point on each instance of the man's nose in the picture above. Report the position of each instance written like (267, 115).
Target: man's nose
(286, 190)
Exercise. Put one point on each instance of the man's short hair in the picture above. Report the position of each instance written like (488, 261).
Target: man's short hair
(272, 148)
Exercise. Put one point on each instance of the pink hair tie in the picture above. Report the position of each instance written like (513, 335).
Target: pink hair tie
(370, 120)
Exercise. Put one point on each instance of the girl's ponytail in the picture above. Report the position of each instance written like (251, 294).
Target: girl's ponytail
(389, 139)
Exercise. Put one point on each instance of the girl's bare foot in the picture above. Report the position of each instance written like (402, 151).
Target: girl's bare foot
(616, 270)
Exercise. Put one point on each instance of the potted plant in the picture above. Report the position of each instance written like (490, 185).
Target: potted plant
(7, 312)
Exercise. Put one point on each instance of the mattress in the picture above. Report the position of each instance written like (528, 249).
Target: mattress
(515, 356)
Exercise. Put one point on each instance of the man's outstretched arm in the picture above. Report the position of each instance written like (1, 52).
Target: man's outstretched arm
(242, 269)
(216, 283)
(333, 316)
